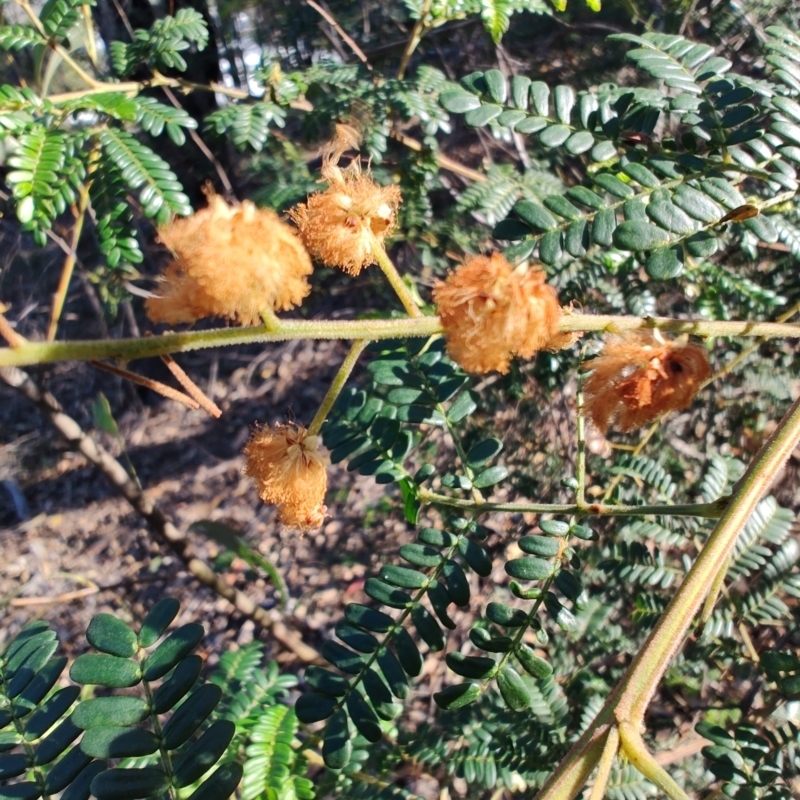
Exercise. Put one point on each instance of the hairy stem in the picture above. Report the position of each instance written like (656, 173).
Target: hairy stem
(639, 756)
(59, 298)
(145, 347)
(395, 281)
(337, 385)
(610, 751)
(712, 510)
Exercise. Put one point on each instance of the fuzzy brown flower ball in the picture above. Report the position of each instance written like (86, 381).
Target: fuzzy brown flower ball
(289, 472)
(637, 378)
(491, 312)
(340, 226)
(231, 261)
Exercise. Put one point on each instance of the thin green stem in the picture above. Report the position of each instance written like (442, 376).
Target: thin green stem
(750, 349)
(420, 29)
(337, 385)
(164, 754)
(713, 510)
(145, 347)
(698, 327)
(271, 322)
(477, 498)
(59, 298)
(64, 55)
(606, 762)
(580, 435)
(521, 630)
(135, 87)
(395, 281)
(168, 343)
(633, 746)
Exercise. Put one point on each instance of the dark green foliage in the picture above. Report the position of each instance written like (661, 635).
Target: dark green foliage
(163, 44)
(749, 762)
(143, 169)
(45, 175)
(173, 753)
(59, 16)
(672, 195)
(248, 125)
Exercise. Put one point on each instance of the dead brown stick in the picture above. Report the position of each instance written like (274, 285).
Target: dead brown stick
(687, 748)
(149, 383)
(331, 20)
(445, 162)
(8, 333)
(79, 440)
(66, 597)
(192, 388)
(202, 146)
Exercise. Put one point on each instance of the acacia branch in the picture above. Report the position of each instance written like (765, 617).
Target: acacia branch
(168, 343)
(97, 455)
(626, 706)
(712, 510)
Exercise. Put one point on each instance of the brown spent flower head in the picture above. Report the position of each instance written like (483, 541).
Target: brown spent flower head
(231, 261)
(641, 376)
(340, 225)
(491, 312)
(289, 472)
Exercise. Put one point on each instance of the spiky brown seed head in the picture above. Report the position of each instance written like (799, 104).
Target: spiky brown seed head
(638, 377)
(342, 226)
(289, 472)
(232, 261)
(491, 312)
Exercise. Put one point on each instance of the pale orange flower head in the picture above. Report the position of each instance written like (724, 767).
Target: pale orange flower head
(641, 376)
(232, 261)
(288, 470)
(491, 312)
(343, 226)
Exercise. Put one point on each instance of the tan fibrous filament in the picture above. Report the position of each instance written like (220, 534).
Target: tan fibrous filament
(289, 472)
(234, 261)
(343, 225)
(638, 377)
(491, 312)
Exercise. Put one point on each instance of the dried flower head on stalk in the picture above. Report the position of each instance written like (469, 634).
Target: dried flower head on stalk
(289, 472)
(340, 226)
(640, 376)
(491, 312)
(231, 261)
